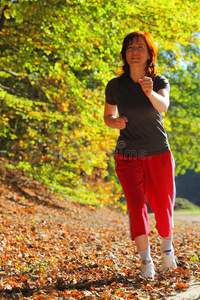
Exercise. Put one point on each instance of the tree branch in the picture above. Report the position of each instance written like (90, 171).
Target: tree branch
(13, 92)
(16, 74)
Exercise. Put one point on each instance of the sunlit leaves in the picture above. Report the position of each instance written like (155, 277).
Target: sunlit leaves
(53, 248)
(56, 58)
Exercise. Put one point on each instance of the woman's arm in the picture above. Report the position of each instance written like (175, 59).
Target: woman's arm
(160, 99)
(110, 117)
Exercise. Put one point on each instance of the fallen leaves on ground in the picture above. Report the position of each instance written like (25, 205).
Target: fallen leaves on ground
(55, 249)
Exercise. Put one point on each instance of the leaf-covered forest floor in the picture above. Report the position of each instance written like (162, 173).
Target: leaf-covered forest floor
(56, 249)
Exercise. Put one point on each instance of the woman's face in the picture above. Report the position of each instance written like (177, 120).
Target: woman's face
(137, 53)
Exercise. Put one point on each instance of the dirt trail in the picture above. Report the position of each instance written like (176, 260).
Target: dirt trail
(193, 293)
(190, 218)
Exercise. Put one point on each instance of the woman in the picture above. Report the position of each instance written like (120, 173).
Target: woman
(144, 162)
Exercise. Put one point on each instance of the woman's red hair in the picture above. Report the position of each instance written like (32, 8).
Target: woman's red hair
(152, 48)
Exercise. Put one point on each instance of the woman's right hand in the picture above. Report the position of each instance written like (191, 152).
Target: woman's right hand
(111, 119)
(120, 122)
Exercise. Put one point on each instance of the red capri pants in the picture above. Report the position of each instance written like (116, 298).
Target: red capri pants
(151, 178)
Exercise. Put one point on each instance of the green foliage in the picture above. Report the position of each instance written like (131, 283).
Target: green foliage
(183, 116)
(185, 205)
(194, 258)
(56, 58)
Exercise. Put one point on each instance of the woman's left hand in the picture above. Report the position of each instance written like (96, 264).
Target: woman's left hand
(147, 85)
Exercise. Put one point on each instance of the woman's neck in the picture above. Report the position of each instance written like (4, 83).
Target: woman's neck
(136, 74)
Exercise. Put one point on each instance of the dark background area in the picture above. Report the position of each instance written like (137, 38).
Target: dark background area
(188, 186)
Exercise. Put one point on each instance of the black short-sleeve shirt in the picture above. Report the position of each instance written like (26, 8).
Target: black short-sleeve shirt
(144, 133)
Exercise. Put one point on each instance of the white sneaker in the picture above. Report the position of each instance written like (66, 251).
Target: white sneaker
(147, 269)
(168, 261)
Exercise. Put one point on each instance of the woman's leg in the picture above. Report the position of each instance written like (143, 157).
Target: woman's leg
(131, 175)
(167, 253)
(143, 247)
(160, 190)
(142, 242)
